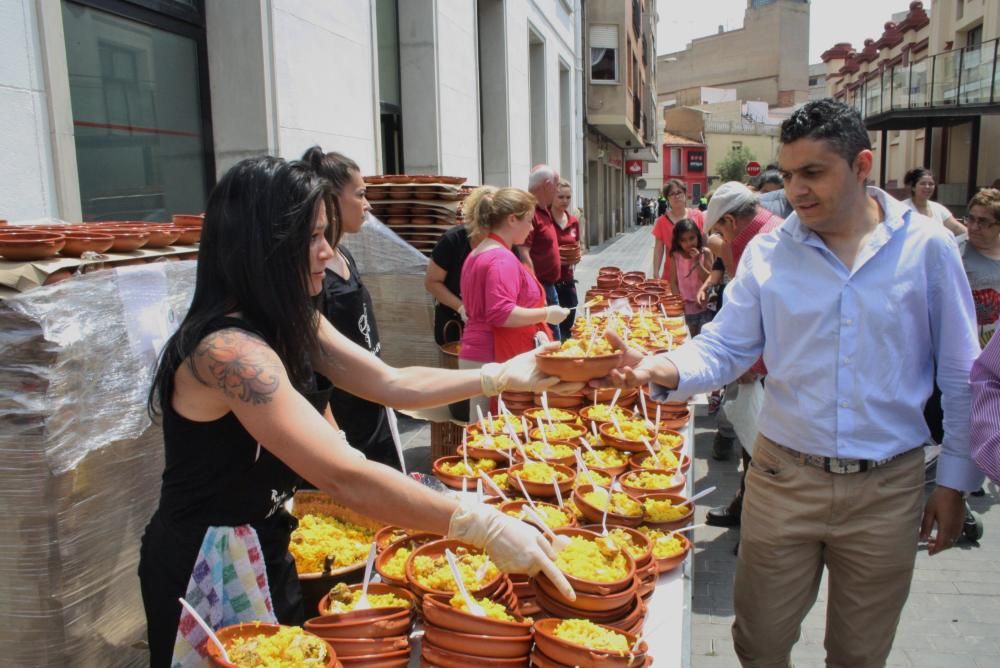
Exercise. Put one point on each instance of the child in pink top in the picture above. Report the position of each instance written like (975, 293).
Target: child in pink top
(691, 264)
(493, 283)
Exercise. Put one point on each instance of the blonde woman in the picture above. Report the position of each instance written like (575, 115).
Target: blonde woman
(504, 302)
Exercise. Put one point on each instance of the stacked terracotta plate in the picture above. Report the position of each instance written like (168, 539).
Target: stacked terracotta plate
(455, 638)
(615, 603)
(419, 208)
(372, 637)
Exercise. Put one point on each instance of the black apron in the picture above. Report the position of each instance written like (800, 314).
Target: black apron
(216, 474)
(348, 307)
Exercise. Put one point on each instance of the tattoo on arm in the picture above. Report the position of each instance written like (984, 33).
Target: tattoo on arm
(237, 365)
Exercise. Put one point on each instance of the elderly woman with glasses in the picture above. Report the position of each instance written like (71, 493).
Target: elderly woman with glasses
(663, 230)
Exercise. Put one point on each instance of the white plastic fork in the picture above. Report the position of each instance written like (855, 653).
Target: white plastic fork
(470, 603)
(363, 602)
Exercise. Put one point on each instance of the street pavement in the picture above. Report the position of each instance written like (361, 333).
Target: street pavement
(951, 619)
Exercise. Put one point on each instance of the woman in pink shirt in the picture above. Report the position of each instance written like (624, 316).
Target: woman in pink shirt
(663, 231)
(503, 300)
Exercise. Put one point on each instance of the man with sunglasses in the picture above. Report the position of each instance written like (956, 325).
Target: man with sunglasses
(981, 258)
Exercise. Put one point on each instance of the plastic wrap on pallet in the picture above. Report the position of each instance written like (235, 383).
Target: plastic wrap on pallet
(393, 271)
(81, 461)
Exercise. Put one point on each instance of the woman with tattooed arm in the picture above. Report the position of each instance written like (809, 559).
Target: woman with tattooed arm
(241, 390)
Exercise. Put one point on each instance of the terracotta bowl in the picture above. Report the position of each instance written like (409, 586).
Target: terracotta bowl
(678, 486)
(474, 452)
(79, 242)
(374, 588)
(554, 608)
(449, 479)
(609, 434)
(188, 219)
(492, 647)
(411, 542)
(532, 415)
(632, 281)
(585, 414)
(161, 236)
(544, 490)
(619, 293)
(127, 239)
(568, 401)
(398, 659)
(438, 611)
(228, 634)
(189, 235)
(667, 564)
(436, 549)
(585, 586)
(676, 499)
(569, 460)
(575, 369)
(655, 289)
(675, 421)
(474, 428)
(516, 506)
(604, 395)
(645, 300)
(572, 654)
(372, 623)
(390, 534)
(639, 538)
(28, 246)
(577, 429)
(589, 602)
(673, 310)
(594, 514)
(636, 461)
(347, 647)
(442, 658)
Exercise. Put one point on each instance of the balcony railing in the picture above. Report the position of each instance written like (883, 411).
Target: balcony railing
(966, 76)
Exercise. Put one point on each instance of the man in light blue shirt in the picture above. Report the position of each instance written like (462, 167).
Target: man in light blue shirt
(857, 304)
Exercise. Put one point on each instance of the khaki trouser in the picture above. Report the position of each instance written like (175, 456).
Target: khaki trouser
(797, 518)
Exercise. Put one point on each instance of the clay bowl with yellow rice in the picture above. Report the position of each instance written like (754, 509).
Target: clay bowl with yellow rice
(559, 431)
(498, 425)
(533, 415)
(666, 511)
(649, 481)
(282, 645)
(601, 413)
(592, 477)
(387, 598)
(557, 452)
(609, 461)
(640, 548)
(390, 564)
(642, 460)
(675, 421)
(537, 479)
(592, 646)
(625, 509)
(499, 455)
(439, 611)
(549, 512)
(427, 571)
(630, 438)
(588, 569)
(453, 469)
(387, 535)
(588, 603)
(669, 550)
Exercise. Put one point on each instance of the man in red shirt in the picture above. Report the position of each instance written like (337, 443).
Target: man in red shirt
(542, 245)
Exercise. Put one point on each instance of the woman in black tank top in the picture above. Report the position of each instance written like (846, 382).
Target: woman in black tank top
(241, 388)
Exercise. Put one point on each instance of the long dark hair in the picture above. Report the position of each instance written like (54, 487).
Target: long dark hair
(335, 168)
(254, 260)
(912, 177)
(681, 228)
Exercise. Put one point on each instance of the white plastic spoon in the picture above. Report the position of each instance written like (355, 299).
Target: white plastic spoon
(614, 399)
(555, 486)
(474, 608)
(588, 448)
(690, 528)
(545, 407)
(207, 629)
(547, 451)
(703, 493)
(479, 491)
(492, 484)
(607, 505)
(482, 420)
(525, 492)
(363, 602)
(558, 542)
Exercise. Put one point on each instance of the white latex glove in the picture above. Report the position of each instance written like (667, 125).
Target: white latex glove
(513, 545)
(555, 314)
(521, 374)
(462, 314)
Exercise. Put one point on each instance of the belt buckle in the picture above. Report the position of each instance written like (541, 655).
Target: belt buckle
(844, 466)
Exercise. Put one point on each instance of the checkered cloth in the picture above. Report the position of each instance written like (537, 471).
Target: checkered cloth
(228, 585)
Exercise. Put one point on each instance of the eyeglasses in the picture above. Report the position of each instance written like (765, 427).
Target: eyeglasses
(678, 193)
(980, 222)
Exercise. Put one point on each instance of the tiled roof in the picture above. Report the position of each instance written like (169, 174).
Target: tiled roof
(677, 140)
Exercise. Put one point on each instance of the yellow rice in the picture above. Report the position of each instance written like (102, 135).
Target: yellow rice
(493, 609)
(582, 558)
(288, 648)
(318, 536)
(588, 634)
(621, 503)
(663, 510)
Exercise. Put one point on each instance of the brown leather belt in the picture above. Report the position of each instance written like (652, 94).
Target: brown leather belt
(837, 465)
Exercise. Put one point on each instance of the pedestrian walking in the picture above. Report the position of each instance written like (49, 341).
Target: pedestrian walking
(921, 183)
(837, 478)
(675, 192)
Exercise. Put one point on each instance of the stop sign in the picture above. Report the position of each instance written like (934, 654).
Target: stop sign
(753, 168)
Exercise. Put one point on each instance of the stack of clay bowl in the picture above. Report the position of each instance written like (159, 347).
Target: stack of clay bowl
(230, 634)
(617, 603)
(386, 556)
(554, 652)
(368, 638)
(499, 588)
(673, 414)
(454, 638)
(594, 513)
(608, 278)
(570, 253)
(640, 548)
(518, 402)
(643, 460)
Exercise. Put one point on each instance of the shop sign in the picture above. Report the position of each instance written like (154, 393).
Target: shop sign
(696, 161)
(633, 167)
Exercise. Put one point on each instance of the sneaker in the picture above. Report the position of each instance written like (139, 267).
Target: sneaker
(722, 446)
(714, 403)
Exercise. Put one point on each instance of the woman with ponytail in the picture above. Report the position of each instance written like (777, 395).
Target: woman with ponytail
(504, 302)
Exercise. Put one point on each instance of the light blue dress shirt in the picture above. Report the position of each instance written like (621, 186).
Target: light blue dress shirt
(850, 354)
